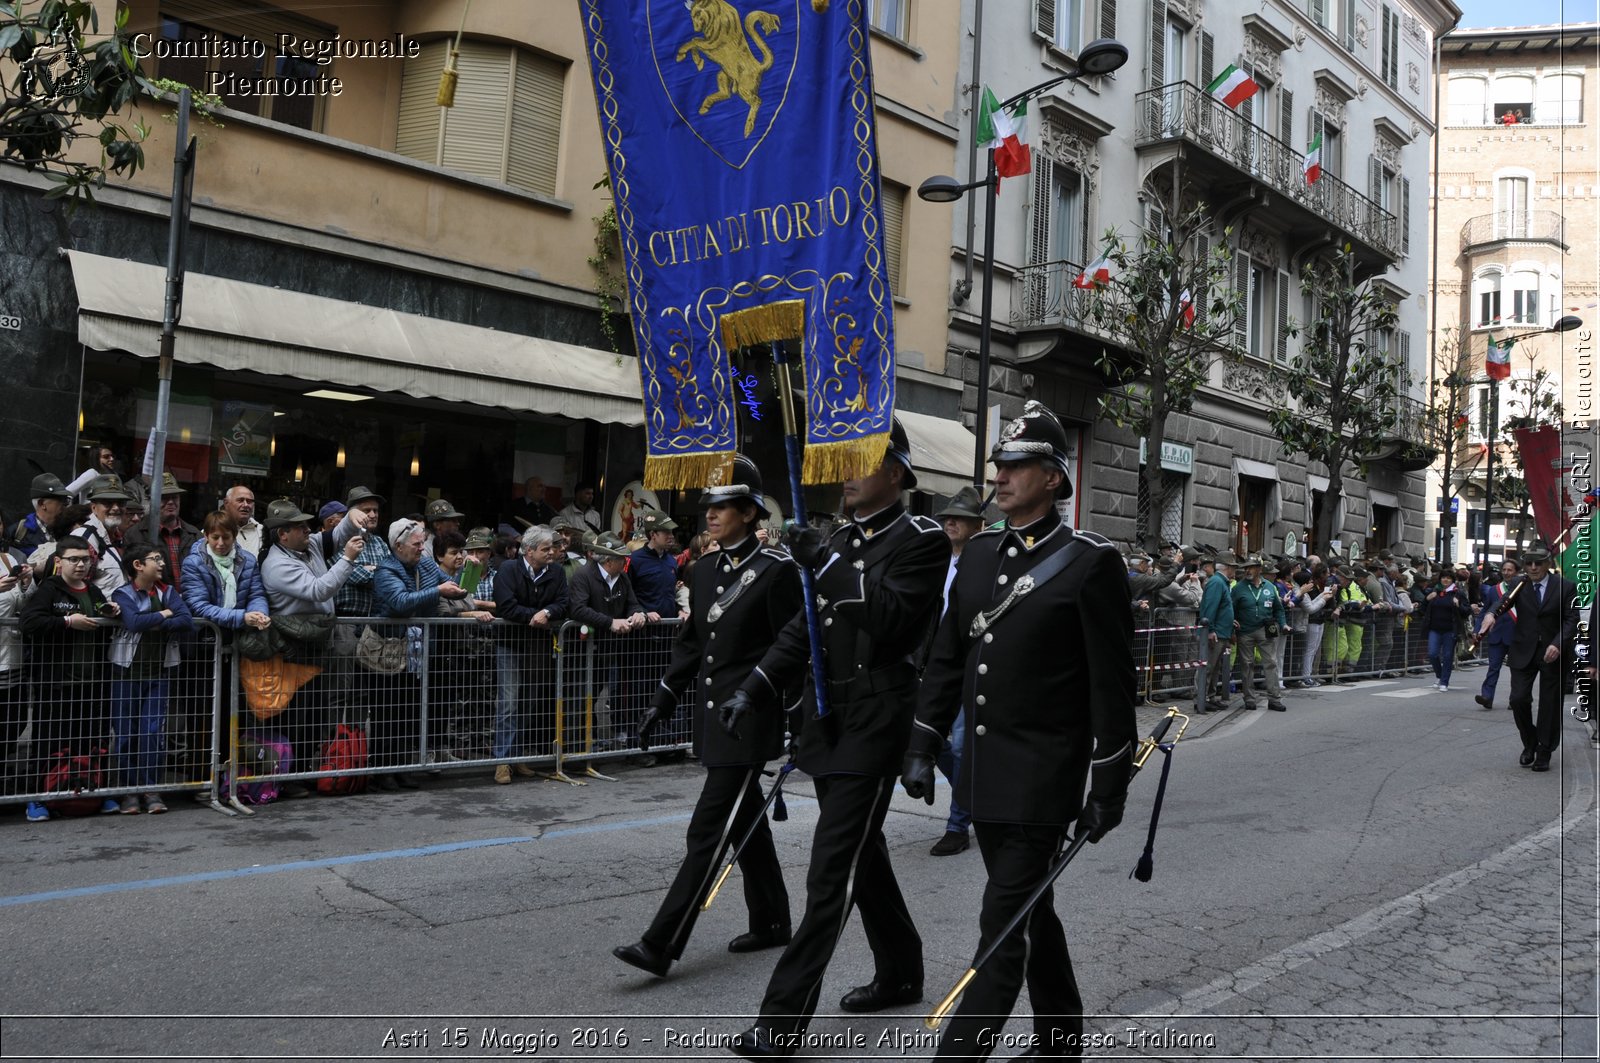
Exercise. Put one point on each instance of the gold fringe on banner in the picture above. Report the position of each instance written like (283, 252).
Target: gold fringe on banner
(685, 470)
(850, 459)
(763, 324)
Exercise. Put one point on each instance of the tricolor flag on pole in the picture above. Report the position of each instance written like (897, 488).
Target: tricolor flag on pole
(1312, 167)
(1233, 86)
(1096, 274)
(1002, 133)
(1497, 363)
(1186, 307)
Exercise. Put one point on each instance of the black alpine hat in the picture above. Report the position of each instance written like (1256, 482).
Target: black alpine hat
(741, 480)
(1036, 434)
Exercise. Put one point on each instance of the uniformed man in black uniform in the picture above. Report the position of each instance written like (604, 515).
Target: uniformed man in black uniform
(1037, 643)
(741, 596)
(1547, 624)
(878, 578)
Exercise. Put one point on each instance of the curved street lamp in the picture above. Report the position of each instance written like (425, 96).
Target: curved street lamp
(1098, 57)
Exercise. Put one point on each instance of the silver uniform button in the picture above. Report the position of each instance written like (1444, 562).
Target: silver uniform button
(827, 622)
(713, 634)
(983, 669)
(981, 700)
(1011, 552)
(710, 704)
(708, 658)
(1004, 580)
(988, 636)
(720, 590)
(855, 542)
(980, 730)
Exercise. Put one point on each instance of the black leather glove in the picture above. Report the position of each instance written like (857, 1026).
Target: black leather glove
(733, 711)
(809, 546)
(662, 706)
(916, 775)
(1099, 816)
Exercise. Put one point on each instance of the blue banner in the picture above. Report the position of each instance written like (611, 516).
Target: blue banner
(742, 152)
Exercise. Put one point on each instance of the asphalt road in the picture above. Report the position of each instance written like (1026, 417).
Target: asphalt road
(1369, 875)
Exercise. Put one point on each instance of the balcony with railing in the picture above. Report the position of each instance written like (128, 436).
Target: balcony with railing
(1411, 444)
(1235, 152)
(1523, 226)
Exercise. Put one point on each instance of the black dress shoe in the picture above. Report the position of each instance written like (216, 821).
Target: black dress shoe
(644, 956)
(1541, 760)
(953, 842)
(1277, 706)
(756, 940)
(756, 1043)
(1527, 757)
(1481, 700)
(407, 781)
(877, 995)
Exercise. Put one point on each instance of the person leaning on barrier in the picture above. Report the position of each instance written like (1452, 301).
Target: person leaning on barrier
(405, 588)
(15, 579)
(1037, 645)
(743, 596)
(68, 652)
(145, 654)
(601, 596)
(532, 600)
(878, 578)
(1258, 621)
(301, 582)
(221, 581)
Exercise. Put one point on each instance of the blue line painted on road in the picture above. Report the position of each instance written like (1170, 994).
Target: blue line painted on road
(334, 861)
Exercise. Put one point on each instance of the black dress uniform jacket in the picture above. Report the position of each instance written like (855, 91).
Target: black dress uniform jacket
(1551, 622)
(759, 593)
(876, 592)
(1049, 685)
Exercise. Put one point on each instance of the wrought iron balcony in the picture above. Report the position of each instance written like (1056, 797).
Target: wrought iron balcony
(1537, 226)
(1411, 444)
(1242, 153)
(1043, 294)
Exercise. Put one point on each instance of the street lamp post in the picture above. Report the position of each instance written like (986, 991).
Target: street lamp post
(1564, 324)
(1098, 57)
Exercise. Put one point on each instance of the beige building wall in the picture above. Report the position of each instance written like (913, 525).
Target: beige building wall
(346, 180)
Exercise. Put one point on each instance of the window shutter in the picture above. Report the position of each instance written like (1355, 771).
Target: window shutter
(1405, 215)
(1202, 291)
(1349, 7)
(1374, 179)
(1039, 236)
(1208, 61)
(894, 213)
(1241, 289)
(1157, 58)
(1286, 118)
(533, 152)
(475, 129)
(1319, 12)
(1281, 351)
(418, 129)
(1108, 18)
(1044, 18)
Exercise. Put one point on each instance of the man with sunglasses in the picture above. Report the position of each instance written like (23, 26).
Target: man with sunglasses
(1547, 624)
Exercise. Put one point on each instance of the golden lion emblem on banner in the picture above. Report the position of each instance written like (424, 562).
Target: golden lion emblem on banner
(739, 50)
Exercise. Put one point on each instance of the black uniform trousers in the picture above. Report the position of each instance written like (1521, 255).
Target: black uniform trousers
(1546, 733)
(849, 866)
(1017, 858)
(729, 803)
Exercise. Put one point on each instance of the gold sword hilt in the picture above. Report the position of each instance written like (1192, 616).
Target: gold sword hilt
(936, 1016)
(1148, 746)
(726, 871)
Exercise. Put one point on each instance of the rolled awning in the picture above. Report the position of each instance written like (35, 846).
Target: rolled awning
(941, 452)
(239, 326)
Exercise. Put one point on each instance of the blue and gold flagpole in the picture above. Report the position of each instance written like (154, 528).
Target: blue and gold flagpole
(771, 324)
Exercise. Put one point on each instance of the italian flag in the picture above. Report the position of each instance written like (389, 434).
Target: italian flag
(1002, 133)
(1312, 167)
(1186, 307)
(1096, 274)
(1233, 86)
(1497, 363)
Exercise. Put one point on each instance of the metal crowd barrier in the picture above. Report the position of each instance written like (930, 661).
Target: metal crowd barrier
(82, 732)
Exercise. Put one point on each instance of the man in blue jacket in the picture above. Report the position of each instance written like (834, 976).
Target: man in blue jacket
(1498, 641)
(1216, 625)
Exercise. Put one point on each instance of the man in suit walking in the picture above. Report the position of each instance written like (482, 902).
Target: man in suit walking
(1547, 622)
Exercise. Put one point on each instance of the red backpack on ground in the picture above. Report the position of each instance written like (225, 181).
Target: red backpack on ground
(78, 774)
(345, 751)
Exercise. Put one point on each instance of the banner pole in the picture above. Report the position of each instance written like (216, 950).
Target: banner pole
(797, 509)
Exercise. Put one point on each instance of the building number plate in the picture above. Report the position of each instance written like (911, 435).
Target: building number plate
(10, 321)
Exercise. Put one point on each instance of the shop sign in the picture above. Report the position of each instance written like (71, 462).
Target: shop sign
(1175, 457)
(244, 438)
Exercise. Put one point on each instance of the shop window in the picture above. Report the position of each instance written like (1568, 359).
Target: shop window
(1250, 524)
(1385, 528)
(234, 53)
(1169, 522)
(506, 122)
